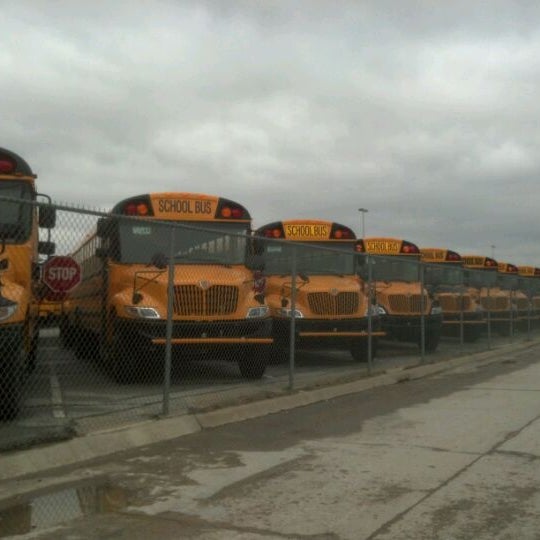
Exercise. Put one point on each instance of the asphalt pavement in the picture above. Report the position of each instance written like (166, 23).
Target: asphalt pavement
(449, 453)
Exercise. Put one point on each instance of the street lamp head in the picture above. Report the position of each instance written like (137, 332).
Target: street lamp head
(363, 211)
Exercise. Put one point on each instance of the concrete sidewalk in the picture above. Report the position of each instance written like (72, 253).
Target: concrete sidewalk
(102, 443)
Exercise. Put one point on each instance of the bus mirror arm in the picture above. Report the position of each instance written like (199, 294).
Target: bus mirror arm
(159, 260)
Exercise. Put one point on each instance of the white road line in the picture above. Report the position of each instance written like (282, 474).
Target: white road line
(56, 395)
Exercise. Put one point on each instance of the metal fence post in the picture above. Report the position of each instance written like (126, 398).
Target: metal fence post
(511, 315)
(169, 328)
(529, 313)
(488, 318)
(422, 317)
(292, 334)
(461, 318)
(369, 321)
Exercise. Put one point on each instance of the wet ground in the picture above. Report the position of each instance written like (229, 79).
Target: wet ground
(452, 456)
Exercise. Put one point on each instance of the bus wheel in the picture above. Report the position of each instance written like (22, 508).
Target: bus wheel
(279, 353)
(12, 376)
(359, 350)
(118, 360)
(252, 362)
(31, 333)
(470, 335)
(432, 341)
(32, 353)
(68, 333)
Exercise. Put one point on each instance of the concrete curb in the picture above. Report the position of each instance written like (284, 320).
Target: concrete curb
(103, 443)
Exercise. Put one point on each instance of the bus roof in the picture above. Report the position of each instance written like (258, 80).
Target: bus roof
(307, 230)
(507, 268)
(181, 206)
(440, 255)
(11, 163)
(531, 271)
(390, 246)
(479, 262)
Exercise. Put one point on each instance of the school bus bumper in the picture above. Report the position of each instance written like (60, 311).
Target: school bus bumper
(213, 341)
(244, 332)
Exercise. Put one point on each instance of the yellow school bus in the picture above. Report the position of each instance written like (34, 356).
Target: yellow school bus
(19, 275)
(483, 278)
(331, 301)
(218, 302)
(529, 283)
(50, 308)
(444, 277)
(509, 283)
(399, 294)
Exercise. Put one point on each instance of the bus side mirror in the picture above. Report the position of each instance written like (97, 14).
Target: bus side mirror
(47, 217)
(255, 262)
(102, 252)
(103, 227)
(159, 260)
(46, 248)
(36, 271)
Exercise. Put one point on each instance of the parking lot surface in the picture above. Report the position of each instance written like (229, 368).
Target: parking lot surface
(452, 455)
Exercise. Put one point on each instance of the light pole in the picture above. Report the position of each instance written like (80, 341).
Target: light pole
(364, 212)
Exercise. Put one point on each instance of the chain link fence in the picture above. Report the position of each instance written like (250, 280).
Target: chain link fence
(133, 319)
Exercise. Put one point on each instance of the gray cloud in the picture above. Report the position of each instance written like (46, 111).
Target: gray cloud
(425, 114)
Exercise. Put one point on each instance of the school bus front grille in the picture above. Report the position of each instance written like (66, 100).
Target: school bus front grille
(193, 301)
(452, 303)
(492, 303)
(344, 303)
(405, 304)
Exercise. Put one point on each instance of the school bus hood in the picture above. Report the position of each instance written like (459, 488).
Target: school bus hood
(319, 296)
(402, 298)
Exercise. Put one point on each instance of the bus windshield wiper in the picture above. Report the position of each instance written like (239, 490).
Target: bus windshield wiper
(202, 260)
(332, 273)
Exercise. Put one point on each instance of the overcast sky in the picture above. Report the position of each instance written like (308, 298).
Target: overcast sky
(425, 113)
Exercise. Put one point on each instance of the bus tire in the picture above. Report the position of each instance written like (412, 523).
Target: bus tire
(252, 362)
(32, 353)
(360, 352)
(471, 334)
(117, 361)
(12, 378)
(432, 341)
(67, 333)
(279, 353)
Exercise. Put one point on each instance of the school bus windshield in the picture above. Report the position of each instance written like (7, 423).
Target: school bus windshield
(312, 258)
(507, 282)
(395, 269)
(443, 275)
(479, 278)
(15, 218)
(221, 243)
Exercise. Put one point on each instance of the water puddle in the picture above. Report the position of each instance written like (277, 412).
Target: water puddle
(29, 512)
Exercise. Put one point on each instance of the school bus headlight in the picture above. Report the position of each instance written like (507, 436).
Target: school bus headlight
(7, 308)
(376, 310)
(257, 312)
(286, 312)
(142, 312)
